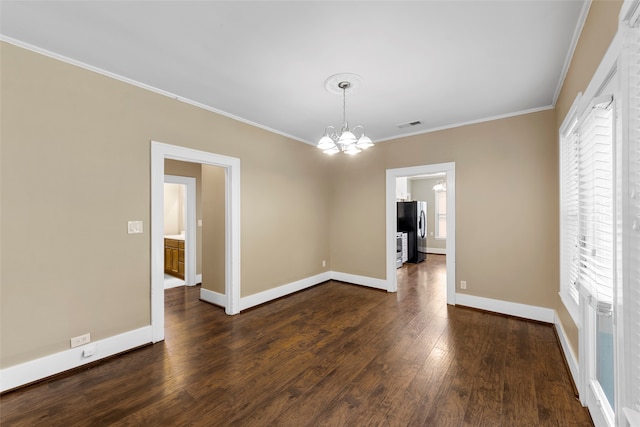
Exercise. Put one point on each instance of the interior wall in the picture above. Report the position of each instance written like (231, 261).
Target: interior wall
(191, 170)
(213, 214)
(507, 228)
(422, 189)
(599, 29)
(173, 207)
(76, 152)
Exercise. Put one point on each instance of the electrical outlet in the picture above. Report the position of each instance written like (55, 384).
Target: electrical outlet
(463, 284)
(81, 340)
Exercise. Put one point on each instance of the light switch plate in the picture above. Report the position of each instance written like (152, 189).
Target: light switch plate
(134, 227)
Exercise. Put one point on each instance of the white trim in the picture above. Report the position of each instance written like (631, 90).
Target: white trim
(440, 251)
(531, 312)
(160, 152)
(38, 369)
(630, 12)
(569, 354)
(354, 279)
(567, 125)
(281, 291)
(190, 225)
(607, 68)
(179, 98)
(173, 282)
(572, 48)
(469, 122)
(392, 219)
(141, 85)
(198, 278)
(290, 288)
(212, 297)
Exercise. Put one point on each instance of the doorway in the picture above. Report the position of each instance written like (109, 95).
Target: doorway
(231, 166)
(180, 223)
(391, 221)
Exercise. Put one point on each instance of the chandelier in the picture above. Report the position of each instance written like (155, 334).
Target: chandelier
(441, 185)
(333, 142)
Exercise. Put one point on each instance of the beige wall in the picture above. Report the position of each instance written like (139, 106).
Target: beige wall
(191, 170)
(173, 209)
(75, 168)
(422, 189)
(598, 31)
(507, 228)
(213, 224)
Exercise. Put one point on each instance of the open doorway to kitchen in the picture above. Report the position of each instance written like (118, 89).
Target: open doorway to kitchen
(230, 167)
(446, 171)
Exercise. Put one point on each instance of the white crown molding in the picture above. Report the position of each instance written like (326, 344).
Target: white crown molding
(572, 49)
(470, 122)
(38, 369)
(150, 88)
(141, 85)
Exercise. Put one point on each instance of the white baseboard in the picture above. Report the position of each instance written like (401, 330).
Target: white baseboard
(280, 291)
(572, 360)
(198, 278)
(289, 288)
(441, 251)
(213, 297)
(173, 282)
(34, 370)
(360, 280)
(525, 311)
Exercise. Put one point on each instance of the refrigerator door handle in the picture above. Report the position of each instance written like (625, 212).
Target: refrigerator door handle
(422, 224)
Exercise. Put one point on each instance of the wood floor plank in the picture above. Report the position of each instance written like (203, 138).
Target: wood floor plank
(520, 407)
(334, 354)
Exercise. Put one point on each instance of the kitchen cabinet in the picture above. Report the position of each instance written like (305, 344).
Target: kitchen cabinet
(402, 188)
(174, 257)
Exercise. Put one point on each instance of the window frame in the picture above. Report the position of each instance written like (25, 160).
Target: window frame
(437, 215)
(568, 294)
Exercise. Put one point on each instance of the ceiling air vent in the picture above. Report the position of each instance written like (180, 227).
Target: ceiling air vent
(409, 124)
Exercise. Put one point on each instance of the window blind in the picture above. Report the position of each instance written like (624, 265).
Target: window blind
(569, 211)
(595, 205)
(631, 232)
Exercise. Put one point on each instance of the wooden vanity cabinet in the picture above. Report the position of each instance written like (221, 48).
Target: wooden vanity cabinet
(174, 257)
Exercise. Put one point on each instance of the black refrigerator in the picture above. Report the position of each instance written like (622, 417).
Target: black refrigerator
(412, 219)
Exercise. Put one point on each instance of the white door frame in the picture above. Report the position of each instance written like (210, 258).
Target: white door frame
(190, 225)
(160, 152)
(392, 220)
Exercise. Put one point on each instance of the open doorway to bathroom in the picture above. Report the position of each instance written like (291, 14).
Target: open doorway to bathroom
(181, 240)
(229, 169)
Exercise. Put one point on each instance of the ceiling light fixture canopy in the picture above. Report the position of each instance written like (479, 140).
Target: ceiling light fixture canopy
(346, 141)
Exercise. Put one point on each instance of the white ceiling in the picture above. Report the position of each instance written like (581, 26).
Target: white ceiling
(441, 62)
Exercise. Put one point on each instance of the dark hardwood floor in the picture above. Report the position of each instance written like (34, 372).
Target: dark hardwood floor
(332, 355)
